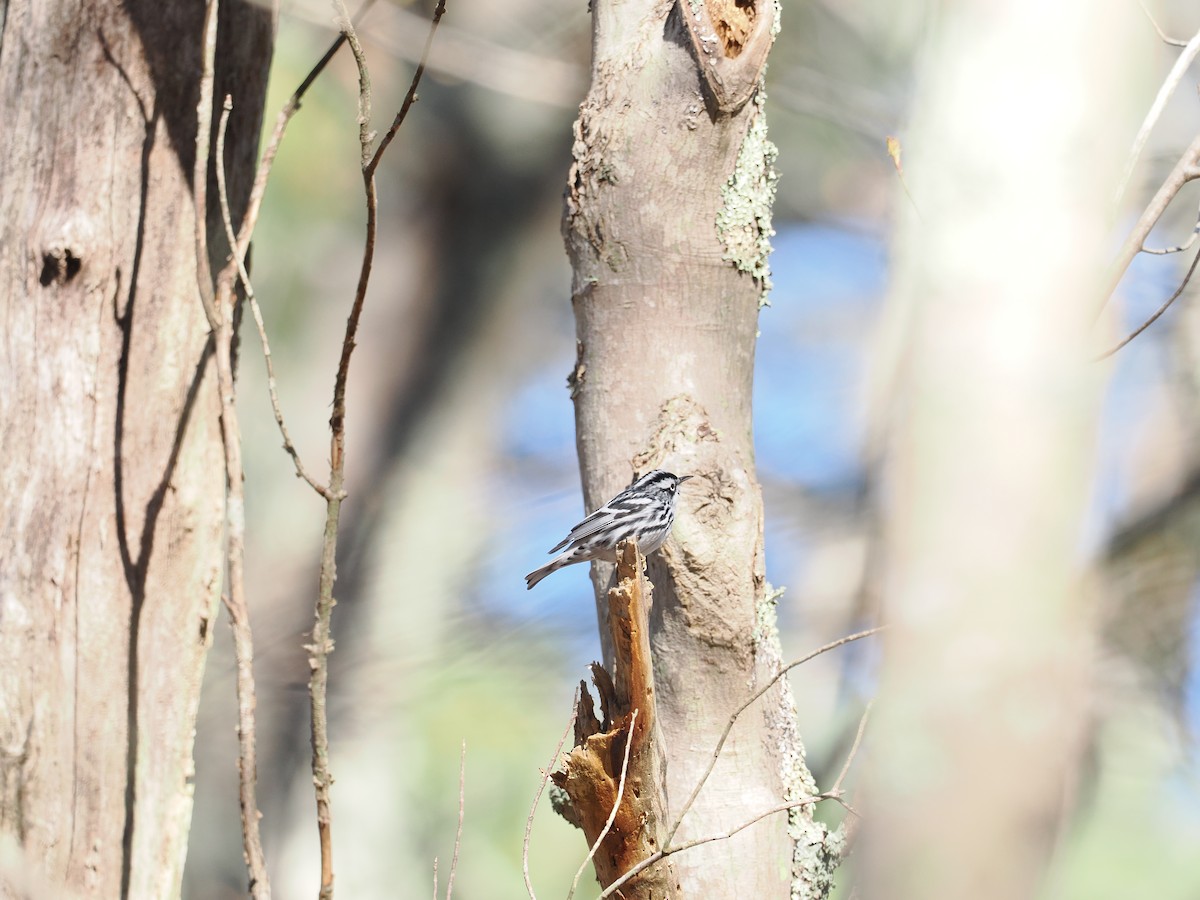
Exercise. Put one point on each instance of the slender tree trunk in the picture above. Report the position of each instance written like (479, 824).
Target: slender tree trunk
(667, 222)
(985, 676)
(110, 457)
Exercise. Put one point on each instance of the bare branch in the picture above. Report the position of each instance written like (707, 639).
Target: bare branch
(435, 879)
(708, 839)
(862, 727)
(273, 390)
(462, 796)
(365, 135)
(218, 303)
(832, 645)
(613, 814)
(411, 97)
(1158, 312)
(1184, 171)
(256, 311)
(204, 280)
(538, 796)
(834, 793)
(223, 190)
(1178, 248)
(1174, 42)
(322, 642)
(1170, 83)
(259, 188)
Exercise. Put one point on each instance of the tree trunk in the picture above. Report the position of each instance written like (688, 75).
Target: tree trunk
(667, 224)
(985, 677)
(110, 457)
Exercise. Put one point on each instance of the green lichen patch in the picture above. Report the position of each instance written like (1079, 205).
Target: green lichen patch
(744, 221)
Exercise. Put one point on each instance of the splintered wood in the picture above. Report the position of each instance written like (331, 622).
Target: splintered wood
(591, 772)
(733, 21)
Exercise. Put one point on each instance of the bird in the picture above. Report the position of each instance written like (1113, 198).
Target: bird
(644, 511)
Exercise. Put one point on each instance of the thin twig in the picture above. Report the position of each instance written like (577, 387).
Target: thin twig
(538, 796)
(322, 641)
(1170, 83)
(1178, 248)
(1184, 171)
(670, 850)
(862, 727)
(462, 796)
(1158, 312)
(204, 278)
(435, 879)
(250, 220)
(612, 816)
(223, 191)
(365, 135)
(411, 97)
(834, 793)
(252, 300)
(259, 188)
(832, 645)
(1174, 42)
(273, 390)
(218, 304)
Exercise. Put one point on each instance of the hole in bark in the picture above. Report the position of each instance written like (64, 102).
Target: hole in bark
(59, 266)
(733, 21)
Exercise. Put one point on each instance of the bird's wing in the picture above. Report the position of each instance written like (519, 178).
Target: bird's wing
(586, 528)
(624, 503)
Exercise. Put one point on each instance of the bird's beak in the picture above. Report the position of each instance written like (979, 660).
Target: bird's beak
(685, 478)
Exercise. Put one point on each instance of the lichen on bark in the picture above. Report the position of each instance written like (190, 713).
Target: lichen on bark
(744, 220)
(816, 850)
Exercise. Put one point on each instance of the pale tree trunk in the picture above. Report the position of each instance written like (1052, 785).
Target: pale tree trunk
(985, 678)
(667, 222)
(111, 468)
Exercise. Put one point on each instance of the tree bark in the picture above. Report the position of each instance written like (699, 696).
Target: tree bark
(110, 458)
(667, 225)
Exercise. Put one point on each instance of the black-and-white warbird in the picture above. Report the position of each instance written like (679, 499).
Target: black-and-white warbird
(644, 511)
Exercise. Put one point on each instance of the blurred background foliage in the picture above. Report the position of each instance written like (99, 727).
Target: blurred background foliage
(462, 468)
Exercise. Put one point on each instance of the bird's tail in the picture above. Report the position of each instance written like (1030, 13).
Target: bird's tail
(538, 574)
(564, 559)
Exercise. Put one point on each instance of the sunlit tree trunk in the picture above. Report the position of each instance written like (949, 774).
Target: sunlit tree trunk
(999, 277)
(667, 222)
(111, 470)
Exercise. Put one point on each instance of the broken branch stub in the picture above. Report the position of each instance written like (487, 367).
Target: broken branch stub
(730, 39)
(591, 772)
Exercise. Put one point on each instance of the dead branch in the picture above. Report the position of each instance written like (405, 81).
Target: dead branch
(611, 816)
(1170, 83)
(1158, 312)
(1184, 171)
(218, 302)
(622, 827)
